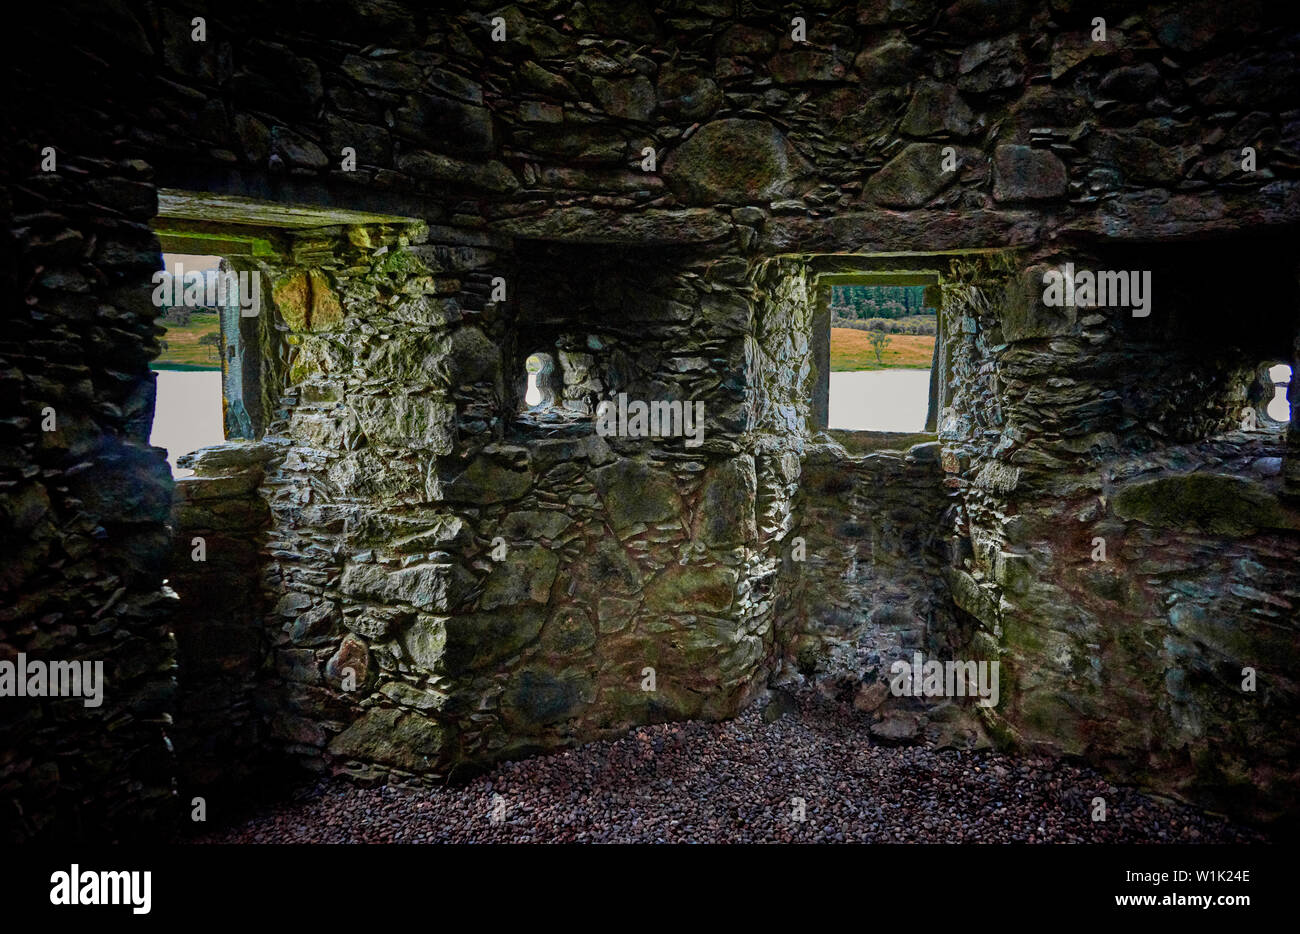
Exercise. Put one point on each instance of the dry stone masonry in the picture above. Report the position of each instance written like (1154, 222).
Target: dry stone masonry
(410, 572)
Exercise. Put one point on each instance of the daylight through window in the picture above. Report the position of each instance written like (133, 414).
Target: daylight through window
(881, 349)
(187, 413)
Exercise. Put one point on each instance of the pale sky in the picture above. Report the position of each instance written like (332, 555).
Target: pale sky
(190, 262)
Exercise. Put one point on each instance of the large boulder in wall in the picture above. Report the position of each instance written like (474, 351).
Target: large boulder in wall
(733, 161)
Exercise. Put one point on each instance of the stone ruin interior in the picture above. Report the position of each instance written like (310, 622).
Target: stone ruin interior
(411, 573)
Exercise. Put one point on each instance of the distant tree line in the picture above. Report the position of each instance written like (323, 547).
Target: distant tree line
(918, 324)
(859, 302)
(202, 283)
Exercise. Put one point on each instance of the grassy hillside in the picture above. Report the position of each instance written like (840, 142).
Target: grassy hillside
(851, 350)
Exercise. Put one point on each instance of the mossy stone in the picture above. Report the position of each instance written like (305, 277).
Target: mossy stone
(692, 589)
(537, 696)
(1217, 503)
(393, 737)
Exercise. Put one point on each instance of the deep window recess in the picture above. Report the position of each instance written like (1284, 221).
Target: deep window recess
(188, 411)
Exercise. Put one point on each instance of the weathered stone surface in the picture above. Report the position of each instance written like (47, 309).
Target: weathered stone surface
(428, 310)
(1024, 174)
(606, 569)
(1141, 159)
(870, 697)
(298, 665)
(570, 631)
(534, 524)
(488, 479)
(293, 602)
(199, 488)
(733, 160)
(385, 73)
(407, 696)
(406, 741)
(897, 728)
(911, 178)
(414, 358)
(740, 39)
(385, 478)
(1218, 503)
(635, 493)
(312, 624)
(291, 295)
(425, 641)
(491, 176)
(890, 63)
(409, 534)
(691, 225)
(537, 696)
(473, 358)
(967, 594)
(526, 574)
(692, 589)
(412, 422)
(131, 486)
(990, 65)
(375, 622)
(349, 664)
(1026, 316)
(437, 587)
(800, 66)
(938, 109)
(726, 511)
(692, 96)
(326, 312)
(631, 99)
(316, 359)
(477, 640)
(441, 122)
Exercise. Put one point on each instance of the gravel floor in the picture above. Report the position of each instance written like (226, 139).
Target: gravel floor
(733, 782)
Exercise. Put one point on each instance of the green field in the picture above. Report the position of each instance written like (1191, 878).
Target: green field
(851, 350)
(182, 350)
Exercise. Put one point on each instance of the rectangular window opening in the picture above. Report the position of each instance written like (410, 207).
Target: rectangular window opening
(882, 352)
(188, 407)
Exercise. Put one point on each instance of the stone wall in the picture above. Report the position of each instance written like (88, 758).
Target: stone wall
(1116, 567)
(83, 505)
(836, 142)
(869, 589)
(784, 376)
(365, 404)
(501, 580)
(404, 456)
(218, 522)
